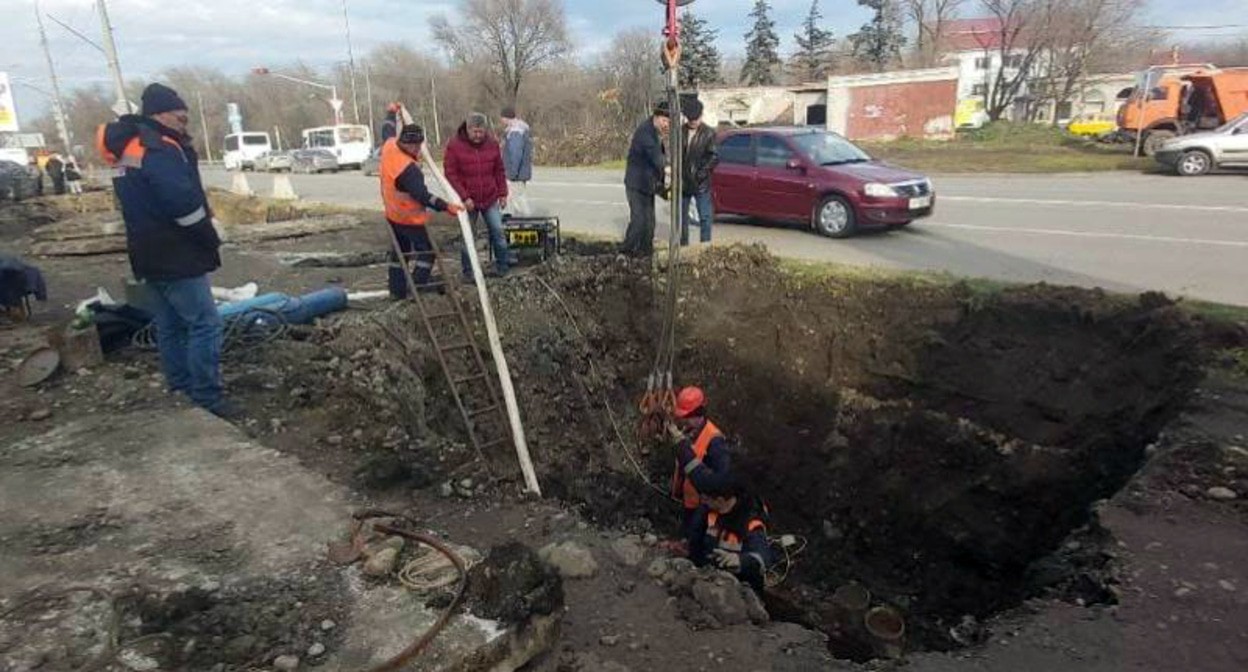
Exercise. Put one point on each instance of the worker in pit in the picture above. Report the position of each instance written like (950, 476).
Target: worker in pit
(730, 532)
(406, 198)
(702, 458)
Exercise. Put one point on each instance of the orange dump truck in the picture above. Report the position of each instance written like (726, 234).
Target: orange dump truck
(1179, 100)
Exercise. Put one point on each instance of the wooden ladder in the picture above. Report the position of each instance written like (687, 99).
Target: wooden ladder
(450, 333)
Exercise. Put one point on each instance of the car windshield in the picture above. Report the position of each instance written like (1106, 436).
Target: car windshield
(1232, 124)
(829, 149)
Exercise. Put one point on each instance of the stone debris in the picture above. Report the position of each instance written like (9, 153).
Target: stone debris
(707, 598)
(628, 551)
(1221, 494)
(382, 563)
(286, 663)
(572, 560)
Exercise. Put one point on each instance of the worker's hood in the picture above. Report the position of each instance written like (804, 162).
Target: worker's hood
(118, 134)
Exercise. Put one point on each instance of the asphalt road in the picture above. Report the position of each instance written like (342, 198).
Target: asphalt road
(1120, 231)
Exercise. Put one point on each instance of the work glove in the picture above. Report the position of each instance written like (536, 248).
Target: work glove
(727, 560)
(673, 432)
(453, 209)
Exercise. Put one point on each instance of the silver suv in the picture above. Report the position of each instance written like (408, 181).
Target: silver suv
(1199, 153)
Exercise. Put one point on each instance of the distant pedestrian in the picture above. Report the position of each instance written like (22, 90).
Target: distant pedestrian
(699, 164)
(171, 239)
(56, 173)
(37, 173)
(474, 167)
(517, 144)
(73, 177)
(643, 180)
(390, 126)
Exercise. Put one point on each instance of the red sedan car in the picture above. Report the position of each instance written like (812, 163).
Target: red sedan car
(814, 177)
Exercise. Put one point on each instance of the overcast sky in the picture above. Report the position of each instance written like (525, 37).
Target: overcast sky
(236, 35)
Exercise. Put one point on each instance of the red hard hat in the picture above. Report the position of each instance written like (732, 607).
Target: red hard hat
(689, 400)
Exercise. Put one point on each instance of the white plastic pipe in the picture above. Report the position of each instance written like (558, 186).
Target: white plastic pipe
(491, 327)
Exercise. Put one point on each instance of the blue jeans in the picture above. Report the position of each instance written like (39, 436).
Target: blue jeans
(706, 215)
(189, 332)
(498, 240)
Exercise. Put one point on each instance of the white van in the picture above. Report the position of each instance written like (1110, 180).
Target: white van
(241, 149)
(351, 144)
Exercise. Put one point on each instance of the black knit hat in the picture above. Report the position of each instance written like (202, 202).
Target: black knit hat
(662, 109)
(159, 98)
(412, 134)
(691, 108)
(509, 112)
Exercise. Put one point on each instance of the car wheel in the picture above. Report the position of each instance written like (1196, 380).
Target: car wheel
(834, 217)
(1154, 140)
(1194, 162)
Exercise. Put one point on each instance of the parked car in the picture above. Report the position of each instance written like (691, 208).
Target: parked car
(815, 177)
(17, 182)
(1199, 153)
(1091, 126)
(372, 165)
(275, 161)
(313, 161)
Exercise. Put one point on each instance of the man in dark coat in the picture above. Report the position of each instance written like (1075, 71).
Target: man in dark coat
(644, 179)
(699, 163)
(171, 240)
(56, 173)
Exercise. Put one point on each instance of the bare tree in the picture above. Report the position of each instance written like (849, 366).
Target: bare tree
(630, 74)
(512, 38)
(1023, 34)
(1081, 33)
(929, 18)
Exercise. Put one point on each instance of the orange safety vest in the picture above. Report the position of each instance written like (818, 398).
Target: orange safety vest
(727, 539)
(401, 208)
(688, 493)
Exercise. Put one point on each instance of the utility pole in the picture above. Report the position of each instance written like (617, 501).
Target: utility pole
(203, 122)
(368, 92)
(433, 91)
(58, 106)
(110, 50)
(355, 97)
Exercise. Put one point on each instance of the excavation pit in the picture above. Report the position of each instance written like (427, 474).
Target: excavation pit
(935, 443)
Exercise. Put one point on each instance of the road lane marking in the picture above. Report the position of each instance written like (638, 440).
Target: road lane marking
(1090, 234)
(985, 199)
(1098, 204)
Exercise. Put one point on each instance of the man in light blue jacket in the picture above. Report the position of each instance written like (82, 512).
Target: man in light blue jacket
(517, 144)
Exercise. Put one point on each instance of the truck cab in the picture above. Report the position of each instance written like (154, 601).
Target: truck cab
(1177, 100)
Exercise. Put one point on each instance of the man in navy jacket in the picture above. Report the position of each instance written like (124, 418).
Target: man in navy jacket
(171, 240)
(643, 179)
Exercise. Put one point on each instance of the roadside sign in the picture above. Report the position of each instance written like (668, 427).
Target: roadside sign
(22, 141)
(8, 112)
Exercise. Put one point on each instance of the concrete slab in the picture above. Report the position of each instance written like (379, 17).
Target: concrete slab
(180, 508)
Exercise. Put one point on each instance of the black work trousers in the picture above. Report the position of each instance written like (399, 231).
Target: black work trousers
(416, 246)
(639, 239)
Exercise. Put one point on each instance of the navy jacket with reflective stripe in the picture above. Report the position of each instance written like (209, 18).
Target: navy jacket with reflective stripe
(169, 229)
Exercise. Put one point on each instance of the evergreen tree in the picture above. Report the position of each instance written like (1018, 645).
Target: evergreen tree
(879, 42)
(700, 62)
(762, 46)
(813, 60)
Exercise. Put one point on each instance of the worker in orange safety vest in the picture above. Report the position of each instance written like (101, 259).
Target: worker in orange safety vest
(702, 457)
(405, 197)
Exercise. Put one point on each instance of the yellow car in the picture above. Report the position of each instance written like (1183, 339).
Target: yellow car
(1092, 127)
